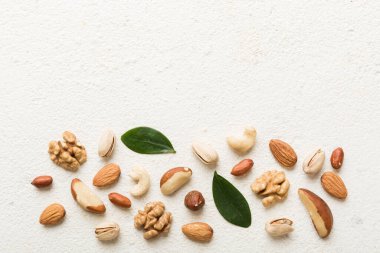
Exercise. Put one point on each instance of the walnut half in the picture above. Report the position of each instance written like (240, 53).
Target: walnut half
(272, 185)
(69, 153)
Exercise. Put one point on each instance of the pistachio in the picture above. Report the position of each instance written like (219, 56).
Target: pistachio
(107, 143)
(205, 152)
(107, 231)
(314, 162)
(279, 227)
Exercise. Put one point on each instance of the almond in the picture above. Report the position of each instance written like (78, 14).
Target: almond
(52, 214)
(119, 200)
(334, 185)
(85, 197)
(174, 179)
(283, 153)
(337, 158)
(107, 175)
(198, 231)
(242, 167)
(42, 181)
(319, 212)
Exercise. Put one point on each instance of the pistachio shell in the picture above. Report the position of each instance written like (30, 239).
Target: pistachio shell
(107, 143)
(313, 163)
(279, 227)
(107, 231)
(205, 152)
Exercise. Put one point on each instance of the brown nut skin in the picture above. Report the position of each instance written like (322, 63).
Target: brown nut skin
(337, 157)
(90, 202)
(283, 153)
(174, 179)
(242, 167)
(42, 181)
(194, 200)
(333, 184)
(119, 200)
(107, 175)
(53, 214)
(198, 231)
(319, 212)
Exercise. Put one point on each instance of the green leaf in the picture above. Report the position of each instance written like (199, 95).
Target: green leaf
(230, 203)
(146, 140)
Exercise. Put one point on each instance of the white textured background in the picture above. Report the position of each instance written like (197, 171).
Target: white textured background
(307, 72)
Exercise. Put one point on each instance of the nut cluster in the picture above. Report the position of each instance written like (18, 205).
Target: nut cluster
(273, 185)
(154, 220)
(69, 154)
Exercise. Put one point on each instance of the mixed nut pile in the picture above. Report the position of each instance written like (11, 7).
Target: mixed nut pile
(272, 186)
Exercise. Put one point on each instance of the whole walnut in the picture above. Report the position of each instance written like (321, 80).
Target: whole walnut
(69, 153)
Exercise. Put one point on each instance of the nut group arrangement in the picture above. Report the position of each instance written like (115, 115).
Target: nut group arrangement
(154, 220)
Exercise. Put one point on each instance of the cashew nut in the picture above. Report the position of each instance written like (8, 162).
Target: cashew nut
(141, 176)
(244, 143)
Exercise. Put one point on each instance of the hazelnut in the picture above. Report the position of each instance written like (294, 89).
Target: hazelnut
(194, 200)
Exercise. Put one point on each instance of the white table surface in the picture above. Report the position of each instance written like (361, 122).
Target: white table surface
(307, 72)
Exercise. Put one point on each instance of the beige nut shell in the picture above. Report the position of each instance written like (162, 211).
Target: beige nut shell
(107, 143)
(205, 152)
(279, 227)
(313, 163)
